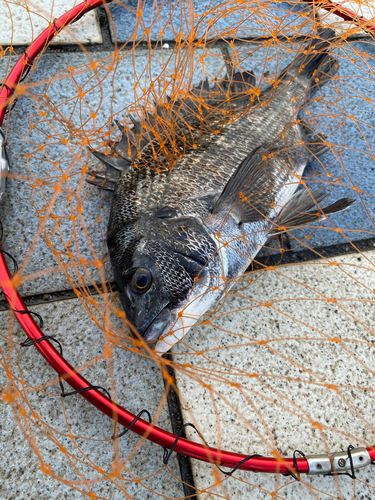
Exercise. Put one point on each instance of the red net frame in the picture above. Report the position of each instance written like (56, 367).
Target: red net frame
(60, 365)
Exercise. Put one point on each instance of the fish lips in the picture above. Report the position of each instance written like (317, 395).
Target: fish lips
(158, 326)
(144, 315)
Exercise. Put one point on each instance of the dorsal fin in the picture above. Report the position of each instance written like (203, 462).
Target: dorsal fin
(190, 111)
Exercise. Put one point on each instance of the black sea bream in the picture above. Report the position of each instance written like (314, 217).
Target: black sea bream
(179, 238)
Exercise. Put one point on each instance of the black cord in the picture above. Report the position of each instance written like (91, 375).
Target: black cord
(29, 66)
(25, 75)
(41, 322)
(167, 453)
(296, 476)
(352, 475)
(27, 55)
(30, 342)
(12, 106)
(133, 422)
(6, 306)
(239, 465)
(23, 311)
(12, 92)
(15, 265)
(78, 391)
(8, 88)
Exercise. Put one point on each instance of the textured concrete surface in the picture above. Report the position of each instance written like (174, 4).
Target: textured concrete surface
(266, 372)
(136, 384)
(21, 23)
(237, 20)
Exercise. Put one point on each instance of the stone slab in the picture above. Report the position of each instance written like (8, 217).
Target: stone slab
(351, 162)
(22, 23)
(164, 22)
(255, 378)
(133, 380)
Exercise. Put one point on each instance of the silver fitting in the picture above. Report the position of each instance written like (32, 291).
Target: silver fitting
(4, 165)
(338, 462)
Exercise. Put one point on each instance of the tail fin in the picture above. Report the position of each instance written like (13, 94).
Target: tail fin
(317, 65)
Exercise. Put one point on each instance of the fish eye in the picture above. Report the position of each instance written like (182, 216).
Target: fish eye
(141, 280)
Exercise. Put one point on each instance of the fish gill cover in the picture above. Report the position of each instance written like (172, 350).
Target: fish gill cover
(235, 141)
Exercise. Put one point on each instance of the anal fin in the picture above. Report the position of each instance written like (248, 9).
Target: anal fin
(298, 212)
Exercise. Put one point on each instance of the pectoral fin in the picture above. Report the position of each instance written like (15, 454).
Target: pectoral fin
(248, 194)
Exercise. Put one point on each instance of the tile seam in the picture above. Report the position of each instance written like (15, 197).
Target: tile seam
(109, 45)
(299, 257)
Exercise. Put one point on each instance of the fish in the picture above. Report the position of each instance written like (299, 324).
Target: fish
(194, 203)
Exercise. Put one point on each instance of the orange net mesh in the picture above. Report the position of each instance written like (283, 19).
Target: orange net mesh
(284, 361)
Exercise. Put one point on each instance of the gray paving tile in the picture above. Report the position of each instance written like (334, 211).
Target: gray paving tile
(21, 24)
(351, 165)
(237, 20)
(136, 384)
(265, 374)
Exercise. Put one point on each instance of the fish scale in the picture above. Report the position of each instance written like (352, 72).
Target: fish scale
(210, 168)
(178, 239)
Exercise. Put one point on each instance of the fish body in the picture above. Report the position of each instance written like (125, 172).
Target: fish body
(178, 239)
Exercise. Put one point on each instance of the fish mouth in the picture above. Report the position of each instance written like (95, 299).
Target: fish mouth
(158, 325)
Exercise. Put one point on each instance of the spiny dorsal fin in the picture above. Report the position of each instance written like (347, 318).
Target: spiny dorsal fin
(107, 179)
(115, 164)
(133, 141)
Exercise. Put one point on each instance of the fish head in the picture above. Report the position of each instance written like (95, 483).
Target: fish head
(163, 270)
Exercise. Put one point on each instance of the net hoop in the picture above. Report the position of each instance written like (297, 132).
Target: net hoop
(61, 366)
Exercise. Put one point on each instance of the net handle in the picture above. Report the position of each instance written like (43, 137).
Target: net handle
(61, 366)
(345, 14)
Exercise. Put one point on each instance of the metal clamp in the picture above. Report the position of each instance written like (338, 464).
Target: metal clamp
(341, 461)
(4, 165)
